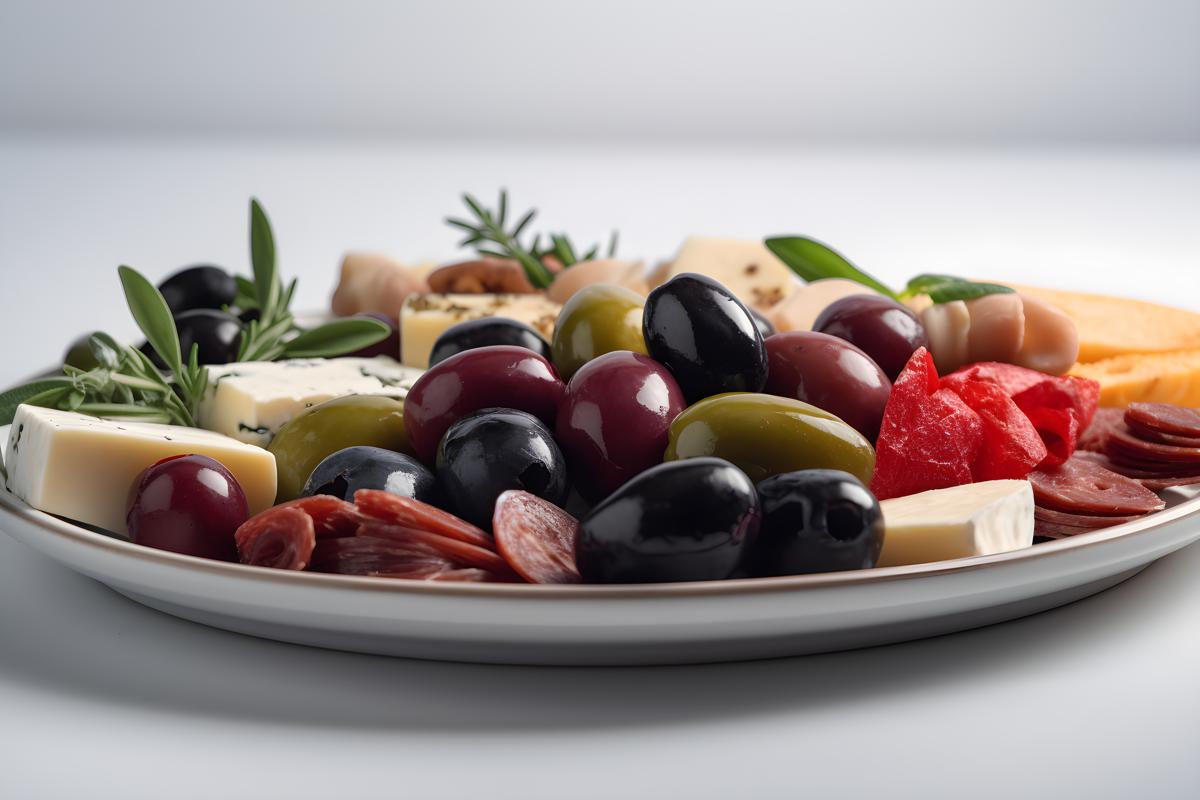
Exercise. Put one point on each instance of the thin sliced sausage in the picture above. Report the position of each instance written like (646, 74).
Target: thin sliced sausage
(1165, 418)
(536, 537)
(1081, 486)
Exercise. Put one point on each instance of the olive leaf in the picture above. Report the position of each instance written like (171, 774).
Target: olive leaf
(336, 338)
(813, 261)
(262, 259)
(948, 288)
(38, 391)
(153, 315)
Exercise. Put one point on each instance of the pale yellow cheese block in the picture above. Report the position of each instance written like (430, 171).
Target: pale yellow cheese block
(423, 318)
(1154, 378)
(746, 268)
(1116, 326)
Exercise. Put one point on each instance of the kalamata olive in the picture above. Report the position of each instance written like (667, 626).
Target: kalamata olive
(329, 427)
(816, 520)
(598, 319)
(187, 504)
(218, 334)
(701, 332)
(389, 346)
(486, 377)
(485, 332)
(765, 435)
(79, 354)
(343, 473)
(684, 521)
(764, 325)
(829, 373)
(202, 286)
(491, 451)
(887, 331)
(613, 423)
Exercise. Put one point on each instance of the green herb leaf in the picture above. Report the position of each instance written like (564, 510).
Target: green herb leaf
(948, 288)
(262, 259)
(336, 338)
(14, 397)
(813, 261)
(153, 316)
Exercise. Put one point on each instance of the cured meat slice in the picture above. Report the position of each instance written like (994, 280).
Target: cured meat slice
(1096, 435)
(280, 537)
(1165, 418)
(462, 554)
(1050, 515)
(331, 516)
(363, 555)
(536, 538)
(1159, 484)
(1056, 530)
(1132, 468)
(1081, 486)
(1150, 435)
(1124, 442)
(410, 513)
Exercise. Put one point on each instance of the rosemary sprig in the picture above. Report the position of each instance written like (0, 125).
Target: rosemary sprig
(489, 237)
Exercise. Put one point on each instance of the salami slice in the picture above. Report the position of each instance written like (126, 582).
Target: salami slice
(280, 537)
(462, 554)
(1096, 435)
(536, 537)
(363, 555)
(331, 516)
(1081, 486)
(1049, 515)
(410, 513)
(1150, 435)
(1132, 468)
(1158, 484)
(1056, 530)
(1125, 443)
(1165, 418)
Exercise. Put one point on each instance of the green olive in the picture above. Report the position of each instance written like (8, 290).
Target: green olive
(331, 426)
(767, 435)
(598, 319)
(79, 355)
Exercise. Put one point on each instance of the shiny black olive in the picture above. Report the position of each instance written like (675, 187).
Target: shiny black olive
(816, 520)
(764, 325)
(218, 334)
(687, 520)
(701, 332)
(343, 473)
(492, 451)
(201, 286)
(486, 332)
(250, 315)
(389, 346)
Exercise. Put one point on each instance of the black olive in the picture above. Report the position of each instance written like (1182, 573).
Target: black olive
(701, 332)
(218, 333)
(687, 520)
(486, 332)
(492, 451)
(201, 286)
(816, 520)
(343, 473)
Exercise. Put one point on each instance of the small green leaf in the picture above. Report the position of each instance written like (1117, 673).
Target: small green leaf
(262, 259)
(948, 288)
(813, 261)
(30, 391)
(336, 338)
(153, 316)
(106, 350)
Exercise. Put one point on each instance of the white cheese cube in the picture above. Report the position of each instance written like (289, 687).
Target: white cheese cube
(977, 519)
(425, 317)
(251, 401)
(82, 467)
(746, 268)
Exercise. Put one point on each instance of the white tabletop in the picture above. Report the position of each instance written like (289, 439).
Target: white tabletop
(100, 697)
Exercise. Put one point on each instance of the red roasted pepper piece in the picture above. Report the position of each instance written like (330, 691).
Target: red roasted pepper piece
(1012, 446)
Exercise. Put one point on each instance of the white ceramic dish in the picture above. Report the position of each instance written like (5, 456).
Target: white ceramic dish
(593, 625)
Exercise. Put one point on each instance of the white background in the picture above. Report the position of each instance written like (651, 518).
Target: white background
(1048, 142)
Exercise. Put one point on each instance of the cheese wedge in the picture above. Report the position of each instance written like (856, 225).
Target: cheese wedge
(977, 519)
(1155, 378)
(424, 318)
(801, 308)
(746, 268)
(82, 467)
(1115, 326)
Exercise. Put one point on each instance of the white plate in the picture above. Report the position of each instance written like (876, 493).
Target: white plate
(592, 625)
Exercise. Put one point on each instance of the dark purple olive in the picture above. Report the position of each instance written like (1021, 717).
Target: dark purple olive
(815, 520)
(486, 332)
(831, 374)
(491, 451)
(689, 520)
(217, 333)
(201, 286)
(764, 325)
(389, 346)
(614, 421)
(884, 329)
(701, 332)
(487, 377)
(187, 504)
(344, 472)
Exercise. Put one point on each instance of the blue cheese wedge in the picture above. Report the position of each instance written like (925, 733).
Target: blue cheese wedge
(82, 468)
(251, 401)
(978, 519)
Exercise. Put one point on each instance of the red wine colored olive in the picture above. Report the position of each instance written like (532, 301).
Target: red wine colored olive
(615, 420)
(687, 520)
(701, 332)
(887, 331)
(486, 332)
(831, 374)
(816, 520)
(202, 286)
(487, 377)
(187, 504)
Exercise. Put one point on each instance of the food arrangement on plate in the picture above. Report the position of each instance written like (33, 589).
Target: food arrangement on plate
(539, 413)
